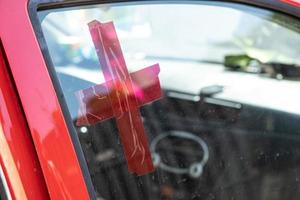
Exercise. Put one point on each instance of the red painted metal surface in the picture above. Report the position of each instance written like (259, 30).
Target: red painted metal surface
(120, 96)
(17, 154)
(292, 2)
(49, 132)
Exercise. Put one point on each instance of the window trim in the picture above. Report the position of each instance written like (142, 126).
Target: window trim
(275, 5)
(4, 186)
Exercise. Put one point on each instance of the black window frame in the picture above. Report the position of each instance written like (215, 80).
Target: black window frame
(4, 190)
(38, 5)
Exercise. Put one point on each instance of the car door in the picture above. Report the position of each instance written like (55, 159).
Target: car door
(160, 100)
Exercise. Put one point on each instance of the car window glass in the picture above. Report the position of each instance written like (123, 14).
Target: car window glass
(223, 125)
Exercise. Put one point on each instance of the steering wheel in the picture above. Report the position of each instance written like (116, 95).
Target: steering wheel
(195, 170)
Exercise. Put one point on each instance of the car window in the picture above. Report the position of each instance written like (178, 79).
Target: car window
(181, 101)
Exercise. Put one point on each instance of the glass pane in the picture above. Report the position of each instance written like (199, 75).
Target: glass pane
(227, 123)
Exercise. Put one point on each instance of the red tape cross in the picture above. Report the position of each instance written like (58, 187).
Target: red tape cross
(120, 96)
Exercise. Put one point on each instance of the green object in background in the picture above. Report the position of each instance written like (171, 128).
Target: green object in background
(237, 62)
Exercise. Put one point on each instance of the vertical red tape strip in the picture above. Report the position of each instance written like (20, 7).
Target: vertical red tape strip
(119, 84)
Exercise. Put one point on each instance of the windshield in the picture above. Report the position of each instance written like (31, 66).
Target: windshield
(208, 92)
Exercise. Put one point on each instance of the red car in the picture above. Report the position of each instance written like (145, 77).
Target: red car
(150, 99)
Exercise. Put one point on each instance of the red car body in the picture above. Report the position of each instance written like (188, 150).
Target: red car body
(37, 154)
(35, 118)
